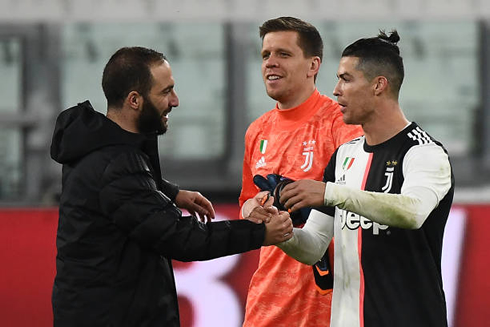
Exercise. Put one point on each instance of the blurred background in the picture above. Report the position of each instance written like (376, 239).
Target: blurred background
(52, 53)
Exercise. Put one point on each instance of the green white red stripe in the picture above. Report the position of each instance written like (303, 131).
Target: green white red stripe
(348, 161)
(263, 146)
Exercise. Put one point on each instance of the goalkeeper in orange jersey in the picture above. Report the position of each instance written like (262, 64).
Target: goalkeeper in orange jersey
(292, 141)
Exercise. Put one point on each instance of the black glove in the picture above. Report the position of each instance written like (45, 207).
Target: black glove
(274, 184)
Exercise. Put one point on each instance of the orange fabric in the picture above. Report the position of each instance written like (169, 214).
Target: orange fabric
(300, 142)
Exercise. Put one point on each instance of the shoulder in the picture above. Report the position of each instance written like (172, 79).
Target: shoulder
(354, 143)
(415, 135)
(264, 118)
(416, 138)
(422, 150)
(325, 103)
(352, 146)
(110, 163)
(124, 161)
(258, 124)
(128, 158)
(428, 156)
(111, 156)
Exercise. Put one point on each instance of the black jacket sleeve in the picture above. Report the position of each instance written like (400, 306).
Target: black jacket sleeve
(131, 198)
(170, 189)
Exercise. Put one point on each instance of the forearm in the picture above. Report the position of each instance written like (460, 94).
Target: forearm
(398, 210)
(309, 243)
(192, 240)
(427, 173)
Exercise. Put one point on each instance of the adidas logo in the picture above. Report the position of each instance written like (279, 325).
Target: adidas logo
(341, 180)
(260, 163)
(419, 135)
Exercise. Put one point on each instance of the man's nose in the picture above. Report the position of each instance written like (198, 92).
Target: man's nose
(271, 62)
(174, 101)
(336, 90)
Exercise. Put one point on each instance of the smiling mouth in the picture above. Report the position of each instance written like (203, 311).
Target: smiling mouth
(166, 113)
(273, 77)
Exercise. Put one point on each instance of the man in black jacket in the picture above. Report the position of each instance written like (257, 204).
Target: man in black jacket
(119, 221)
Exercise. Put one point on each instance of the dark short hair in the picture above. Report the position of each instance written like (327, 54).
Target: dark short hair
(129, 70)
(309, 39)
(379, 56)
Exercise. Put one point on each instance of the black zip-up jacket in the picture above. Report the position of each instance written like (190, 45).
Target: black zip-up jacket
(119, 228)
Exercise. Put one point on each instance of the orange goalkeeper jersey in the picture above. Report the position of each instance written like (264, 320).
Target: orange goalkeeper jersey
(296, 143)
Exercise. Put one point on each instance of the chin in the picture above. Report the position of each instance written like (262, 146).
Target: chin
(273, 94)
(348, 120)
(162, 131)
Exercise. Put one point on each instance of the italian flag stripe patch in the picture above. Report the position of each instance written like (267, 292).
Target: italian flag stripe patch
(263, 146)
(347, 163)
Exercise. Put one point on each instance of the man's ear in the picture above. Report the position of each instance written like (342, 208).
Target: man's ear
(314, 66)
(134, 100)
(380, 84)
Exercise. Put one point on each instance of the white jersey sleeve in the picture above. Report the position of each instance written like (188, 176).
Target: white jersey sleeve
(427, 174)
(309, 243)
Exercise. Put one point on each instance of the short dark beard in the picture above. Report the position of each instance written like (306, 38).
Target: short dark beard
(150, 121)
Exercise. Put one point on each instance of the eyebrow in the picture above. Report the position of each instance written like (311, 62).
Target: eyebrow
(169, 88)
(276, 50)
(283, 50)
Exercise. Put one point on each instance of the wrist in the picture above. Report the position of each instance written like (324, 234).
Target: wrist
(328, 199)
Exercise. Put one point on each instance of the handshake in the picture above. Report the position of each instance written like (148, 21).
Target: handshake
(273, 185)
(298, 197)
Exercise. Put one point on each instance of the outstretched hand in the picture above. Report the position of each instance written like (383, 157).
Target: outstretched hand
(279, 228)
(302, 193)
(196, 204)
(257, 209)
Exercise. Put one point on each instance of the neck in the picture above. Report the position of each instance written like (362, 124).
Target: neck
(384, 125)
(297, 99)
(121, 118)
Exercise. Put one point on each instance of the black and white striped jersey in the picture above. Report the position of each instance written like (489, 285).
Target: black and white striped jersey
(383, 275)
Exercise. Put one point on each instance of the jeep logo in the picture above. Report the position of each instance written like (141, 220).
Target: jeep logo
(353, 221)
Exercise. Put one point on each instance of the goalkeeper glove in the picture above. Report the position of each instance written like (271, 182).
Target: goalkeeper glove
(274, 184)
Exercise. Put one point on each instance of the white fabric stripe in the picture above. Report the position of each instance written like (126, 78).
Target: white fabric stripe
(419, 135)
(347, 278)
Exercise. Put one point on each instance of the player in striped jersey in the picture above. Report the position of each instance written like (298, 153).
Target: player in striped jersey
(385, 197)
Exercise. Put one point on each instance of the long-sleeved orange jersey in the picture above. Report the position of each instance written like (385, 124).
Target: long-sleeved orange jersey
(296, 143)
